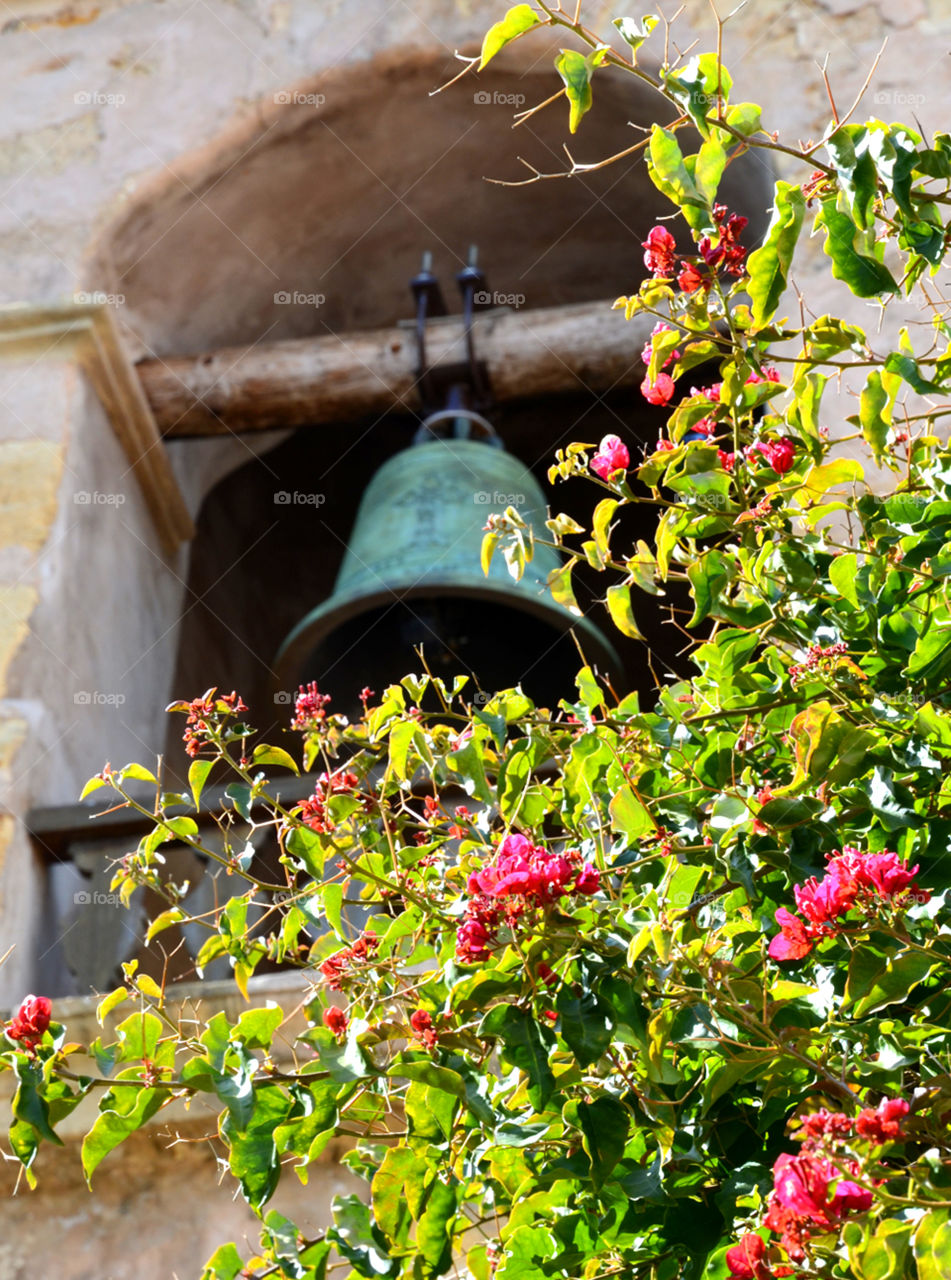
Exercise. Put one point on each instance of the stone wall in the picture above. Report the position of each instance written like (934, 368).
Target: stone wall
(117, 116)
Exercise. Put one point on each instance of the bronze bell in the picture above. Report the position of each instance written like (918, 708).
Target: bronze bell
(412, 576)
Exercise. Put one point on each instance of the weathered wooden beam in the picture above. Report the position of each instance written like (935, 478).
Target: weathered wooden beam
(333, 378)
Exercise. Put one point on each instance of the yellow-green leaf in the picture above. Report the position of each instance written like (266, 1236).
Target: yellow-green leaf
(619, 607)
(516, 22)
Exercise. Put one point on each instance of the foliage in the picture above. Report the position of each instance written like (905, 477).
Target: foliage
(543, 1003)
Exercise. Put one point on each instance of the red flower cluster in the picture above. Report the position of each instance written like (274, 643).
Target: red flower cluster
(612, 456)
(336, 968)
(722, 250)
(522, 876)
(727, 252)
(853, 880)
(423, 1028)
(660, 252)
(31, 1020)
(313, 812)
(815, 657)
(310, 707)
(335, 1019)
(203, 710)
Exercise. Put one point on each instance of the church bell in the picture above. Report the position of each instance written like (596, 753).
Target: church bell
(411, 576)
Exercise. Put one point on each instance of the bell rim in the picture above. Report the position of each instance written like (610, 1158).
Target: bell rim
(317, 625)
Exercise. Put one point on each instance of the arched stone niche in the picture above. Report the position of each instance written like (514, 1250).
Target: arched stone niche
(338, 200)
(331, 197)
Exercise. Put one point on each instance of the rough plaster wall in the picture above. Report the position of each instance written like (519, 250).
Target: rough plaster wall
(97, 100)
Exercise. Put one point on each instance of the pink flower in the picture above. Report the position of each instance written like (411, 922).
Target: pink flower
(659, 252)
(472, 941)
(822, 902)
(335, 1020)
(612, 455)
(588, 880)
(727, 460)
(664, 446)
(659, 392)
(31, 1020)
(793, 941)
(779, 454)
(745, 1259)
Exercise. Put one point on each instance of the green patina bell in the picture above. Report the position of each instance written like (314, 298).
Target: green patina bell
(411, 577)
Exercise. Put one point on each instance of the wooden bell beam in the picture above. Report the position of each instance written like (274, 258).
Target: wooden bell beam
(338, 377)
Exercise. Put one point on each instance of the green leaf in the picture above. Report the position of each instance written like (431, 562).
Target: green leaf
(521, 1043)
(842, 572)
(129, 1109)
(584, 1024)
(672, 178)
(875, 414)
(908, 370)
(264, 754)
(562, 592)
(634, 32)
(768, 266)
(628, 815)
(29, 1104)
(516, 22)
(576, 70)
(399, 1187)
(700, 87)
(430, 1112)
(604, 1123)
(93, 785)
(109, 1002)
(851, 263)
(224, 1264)
(746, 118)
(253, 1154)
(934, 1263)
(256, 1027)
(622, 615)
(876, 981)
(138, 773)
(433, 1234)
(198, 772)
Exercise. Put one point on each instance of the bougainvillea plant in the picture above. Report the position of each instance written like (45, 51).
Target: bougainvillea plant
(621, 988)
